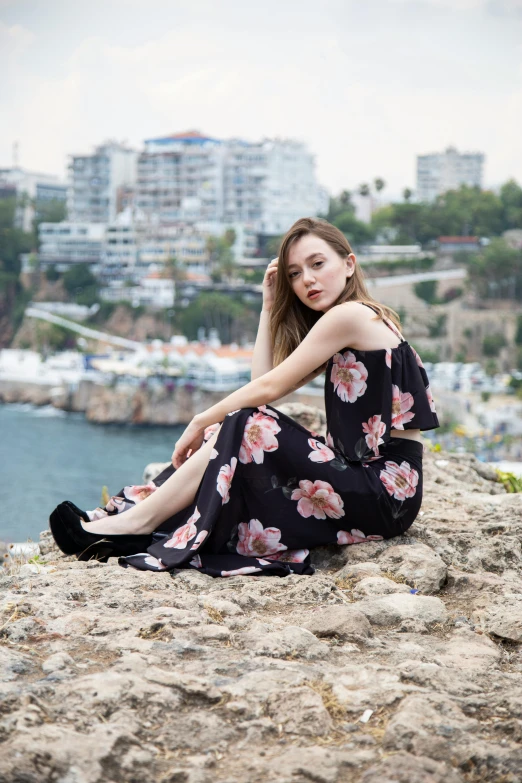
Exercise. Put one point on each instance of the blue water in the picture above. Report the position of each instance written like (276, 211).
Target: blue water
(47, 456)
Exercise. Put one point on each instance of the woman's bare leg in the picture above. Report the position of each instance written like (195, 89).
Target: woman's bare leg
(178, 491)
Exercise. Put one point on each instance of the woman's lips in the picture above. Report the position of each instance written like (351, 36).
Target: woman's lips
(314, 295)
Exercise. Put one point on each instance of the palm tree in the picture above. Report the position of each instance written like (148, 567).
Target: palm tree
(407, 194)
(364, 190)
(379, 184)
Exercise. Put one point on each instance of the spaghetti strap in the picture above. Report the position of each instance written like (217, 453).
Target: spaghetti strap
(388, 323)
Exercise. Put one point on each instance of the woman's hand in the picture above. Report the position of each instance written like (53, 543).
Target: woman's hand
(269, 283)
(190, 441)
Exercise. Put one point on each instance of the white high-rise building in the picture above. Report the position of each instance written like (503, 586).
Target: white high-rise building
(448, 170)
(193, 178)
(96, 179)
(180, 179)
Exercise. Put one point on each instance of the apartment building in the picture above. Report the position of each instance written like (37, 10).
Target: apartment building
(448, 170)
(96, 182)
(39, 188)
(64, 244)
(179, 178)
(191, 177)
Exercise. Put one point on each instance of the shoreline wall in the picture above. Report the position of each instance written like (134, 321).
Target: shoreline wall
(126, 403)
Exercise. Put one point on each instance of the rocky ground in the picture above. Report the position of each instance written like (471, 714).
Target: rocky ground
(397, 661)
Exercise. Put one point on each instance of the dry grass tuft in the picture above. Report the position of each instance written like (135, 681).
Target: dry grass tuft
(214, 614)
(334, 707)
(399, 578)
(155, 631)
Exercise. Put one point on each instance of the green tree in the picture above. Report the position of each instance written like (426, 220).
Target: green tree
(426, 290)
(52, 211)
(222, 261)
(496, 272)
(355, 230)
(215, 310)
(511, 200)
(81, 284)
(52, 274)
(518, 333)
(492, 344)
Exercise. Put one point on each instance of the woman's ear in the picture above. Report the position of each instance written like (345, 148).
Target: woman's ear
(350, 265)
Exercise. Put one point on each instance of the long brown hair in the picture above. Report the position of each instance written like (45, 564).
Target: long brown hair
(290, 319)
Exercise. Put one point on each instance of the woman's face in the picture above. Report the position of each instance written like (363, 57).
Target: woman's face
(317, 274)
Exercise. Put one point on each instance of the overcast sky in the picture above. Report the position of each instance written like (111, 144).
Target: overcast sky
(366, 84)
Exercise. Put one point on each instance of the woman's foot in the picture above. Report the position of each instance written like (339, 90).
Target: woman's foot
(130, 522)
(74, 539)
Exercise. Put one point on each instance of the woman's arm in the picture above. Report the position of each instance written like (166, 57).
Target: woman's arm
(332, 332)
(262, 358)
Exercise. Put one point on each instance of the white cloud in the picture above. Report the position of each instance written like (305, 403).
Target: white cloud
(366, 98)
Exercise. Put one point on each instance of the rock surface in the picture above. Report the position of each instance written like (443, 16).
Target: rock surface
(109, 674)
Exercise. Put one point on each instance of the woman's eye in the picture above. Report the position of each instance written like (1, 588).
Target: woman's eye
(318, 262)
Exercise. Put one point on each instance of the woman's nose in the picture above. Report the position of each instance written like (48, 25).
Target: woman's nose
(308, 277)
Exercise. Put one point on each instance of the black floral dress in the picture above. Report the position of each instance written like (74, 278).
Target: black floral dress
(273, 490)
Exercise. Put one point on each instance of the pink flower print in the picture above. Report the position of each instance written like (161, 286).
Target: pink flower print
(256, 540)
(210, 430)
(213, 454)
(259, 436)
(318, 499)
(320, 453)
(196, 562)
(348, 376)
(400, 480)
(430, 399)
(374, 429)
(401, 404)
(354, 537)
(240, 571)
(199, 539)
(224, 479)
(329, 440)
(417, 357)
(117, 504)
(388, 357)
(98, 513)
(181, 536)
(155, 562)
(291, 556)
(267, 412)
(138, 493)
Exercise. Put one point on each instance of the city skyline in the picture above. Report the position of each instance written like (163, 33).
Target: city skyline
(415, 78)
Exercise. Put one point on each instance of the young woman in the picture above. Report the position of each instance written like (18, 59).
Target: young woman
(262, 490)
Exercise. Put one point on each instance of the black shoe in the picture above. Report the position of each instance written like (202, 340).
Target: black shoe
(83, 514)
(73, 539)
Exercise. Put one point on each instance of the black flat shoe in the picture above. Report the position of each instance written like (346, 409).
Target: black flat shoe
(73, 539)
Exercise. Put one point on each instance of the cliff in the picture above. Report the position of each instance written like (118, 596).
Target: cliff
(398, 660)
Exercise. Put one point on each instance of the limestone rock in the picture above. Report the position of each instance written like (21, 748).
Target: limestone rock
(291, 641)
(418, 564)
(503, 617)
(429, 725)
(343, 622)
(391, 609)
(405, 768)
(378, 585)
(358, 571)
(299, 711)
